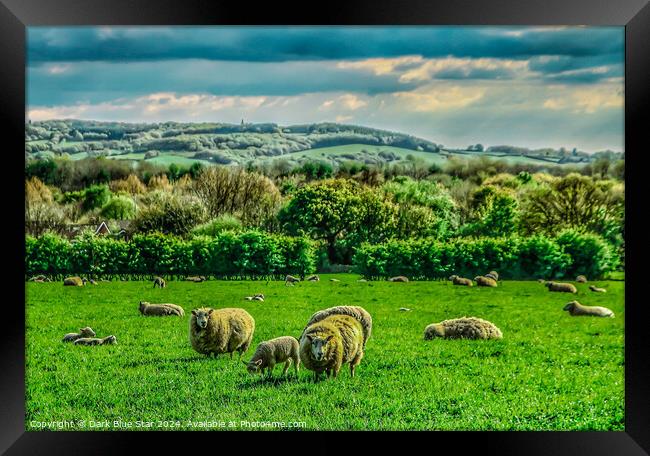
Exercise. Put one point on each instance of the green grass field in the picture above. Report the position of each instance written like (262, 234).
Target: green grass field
(551, 371)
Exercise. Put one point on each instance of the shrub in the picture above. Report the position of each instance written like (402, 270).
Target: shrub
(591, 255)
(225, 222)
(119, 208)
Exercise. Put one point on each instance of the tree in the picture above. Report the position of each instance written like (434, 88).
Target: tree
(119, 208)
(170, 214)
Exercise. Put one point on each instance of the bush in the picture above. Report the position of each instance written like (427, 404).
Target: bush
(225, 222)
(119, 208)
(591, 255)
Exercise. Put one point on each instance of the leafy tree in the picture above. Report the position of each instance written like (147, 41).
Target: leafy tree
(170, 214)
(95, 196)
(119, 207)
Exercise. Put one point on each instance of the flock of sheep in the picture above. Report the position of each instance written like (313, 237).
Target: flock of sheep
(331, 338)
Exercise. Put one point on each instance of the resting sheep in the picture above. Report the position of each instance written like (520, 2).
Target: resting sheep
(576, 309)
(561, 287)
(108, 340)
(595, 289)
(158, 310)
(275, 351)
(460, 281)
(356, 312)
(257, 297)
(463, 328)
(313, 278)
(398, 279)
(74, 281)
(493, 275)
(221, 330)
(329, 343)
(195, 279)
(581, 279)
(483, 281)
(159, 281)
(290, 280)
(83, 332)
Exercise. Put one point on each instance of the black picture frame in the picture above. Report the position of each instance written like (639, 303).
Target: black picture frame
(16, 15)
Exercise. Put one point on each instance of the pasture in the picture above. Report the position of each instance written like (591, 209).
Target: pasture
(551, 371)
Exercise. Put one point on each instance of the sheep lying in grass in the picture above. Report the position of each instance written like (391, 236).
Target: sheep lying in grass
(595, 289)
(398, 279)
(257, 297)
(195, 279)
(83, 332)
(313, 278)
(581, 279)
(576, 309)
(290, 280)
(108, 340)
(74, 281)
(460, 281)
(329, 343)
(159, 282)
(493, 275)
(561, 287)
(275, 351)
(359, 313)
(159, 310)
(463, 328)
(483, 281)
(39, 278)
(221, 330)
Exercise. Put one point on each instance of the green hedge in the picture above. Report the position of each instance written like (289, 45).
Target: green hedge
(565, 256)
(228, 255)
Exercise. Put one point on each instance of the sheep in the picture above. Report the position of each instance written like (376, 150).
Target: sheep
(493, 275)
(561, 287)
(581, 279)
(461, 281)
(463, 328)
(149, 309)
(108, 340)
(39, 278)
(576, 310)
(329, 343)
(541, 280)
(356, 312)
(74, 281)
(195, 279)
(595, 289)
(313, 278)
(483, 281)
(290, 280)
(257, 297)
(83, 332)
(92, 282)
(398, 279)
(216, 331)
(159, 281)
(275, 351)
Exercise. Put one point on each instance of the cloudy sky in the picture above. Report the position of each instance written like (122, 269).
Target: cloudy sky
(523, 86)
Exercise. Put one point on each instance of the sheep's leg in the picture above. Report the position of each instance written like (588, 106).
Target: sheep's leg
(296, 365)
(286, 367)
(270, 370)
(335, 371)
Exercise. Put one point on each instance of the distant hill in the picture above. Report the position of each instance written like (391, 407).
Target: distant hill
(224, 144)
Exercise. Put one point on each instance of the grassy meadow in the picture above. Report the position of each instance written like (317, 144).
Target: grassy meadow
(551, 371)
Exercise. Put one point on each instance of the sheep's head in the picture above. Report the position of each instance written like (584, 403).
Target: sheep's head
(318, 345)
(570, 305)
(87, 332)
(548, 284)
(253, 367)
(202, 316)
(110, 340)
(453, 277)
(433, 331)
(143, 305)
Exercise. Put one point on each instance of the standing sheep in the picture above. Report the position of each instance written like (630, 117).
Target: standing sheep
(398, 279)
(221, 331)
(561, 287)
(74, 281)
(149, 309)
(460, 281)
(576, 309)
(83, 332)
(275, 351)
(463, 328)
(483, 281)
(356, 312)
(159, 281)
(290, 280)
(328, 344)
(581, 279)
(108, 340)
(595, 289)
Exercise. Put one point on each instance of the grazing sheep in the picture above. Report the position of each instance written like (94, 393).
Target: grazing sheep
(83, 332)
(275, 351)
(313, 278)
(576, 309)
(561, 287)
(596, 289)
(74, 281)
(463, 328)
(158, 310)
(159, 281)
(492, 275)
(290, 280)
(483, 281)
(461, 281)
(356, 312)
(329, 343)
(581, 279)
(221, 330)
(398, 279)
(108, 340)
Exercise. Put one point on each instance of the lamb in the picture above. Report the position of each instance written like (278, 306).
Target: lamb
(313, 278)
(576, 309)
(460, 281)
(149, 309)
(159, 281)
(581, 279)
(275, 351)
(561, 287)
(493, 275)
(108, 340)
(221, 331)
(83, 332)
(463, 328)
(483, 281)
(329, 343)
(398, 279)
(74, 281)
(356, 312)
(595, 289)
(289, 279)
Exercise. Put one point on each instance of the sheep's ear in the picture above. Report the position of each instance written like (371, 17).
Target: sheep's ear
(329, 338)
(210, 311)
(194, 312)
(309, 337)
